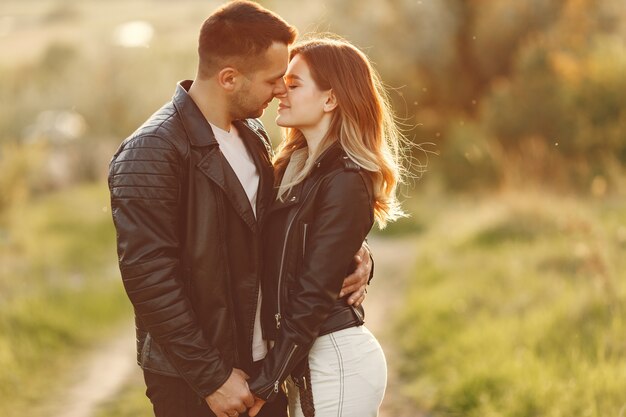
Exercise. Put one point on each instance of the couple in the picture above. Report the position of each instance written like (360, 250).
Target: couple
(236, 262)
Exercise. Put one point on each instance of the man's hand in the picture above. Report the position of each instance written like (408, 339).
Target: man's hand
(355, 284)
(258, 403)
(232, 398)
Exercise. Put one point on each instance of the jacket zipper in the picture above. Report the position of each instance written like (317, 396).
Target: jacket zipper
(276, 383)
(306, 226)
(278, 316)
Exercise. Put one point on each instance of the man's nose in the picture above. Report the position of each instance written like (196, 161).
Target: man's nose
(280, 90)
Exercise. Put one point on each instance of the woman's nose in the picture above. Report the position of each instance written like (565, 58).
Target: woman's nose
(280, 90)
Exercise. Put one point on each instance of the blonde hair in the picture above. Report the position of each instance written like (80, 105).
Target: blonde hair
(363, 122)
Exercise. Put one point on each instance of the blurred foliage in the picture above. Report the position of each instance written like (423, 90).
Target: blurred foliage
(539, 84)
(130, 401)
(512, 93)
(518, 310)
(59, 291)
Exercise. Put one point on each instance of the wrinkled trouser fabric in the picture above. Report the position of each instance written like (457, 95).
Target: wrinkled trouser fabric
(348, 375)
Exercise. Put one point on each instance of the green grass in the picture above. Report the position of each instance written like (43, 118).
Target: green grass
(60, 292)
(130, 401)
(517, 309)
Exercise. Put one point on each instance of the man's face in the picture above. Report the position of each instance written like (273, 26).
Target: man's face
(259, 87)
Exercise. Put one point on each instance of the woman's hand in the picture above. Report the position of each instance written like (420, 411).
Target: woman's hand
(254, 410)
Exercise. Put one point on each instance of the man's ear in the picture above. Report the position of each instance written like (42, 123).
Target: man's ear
(331, 102)
(227, 78)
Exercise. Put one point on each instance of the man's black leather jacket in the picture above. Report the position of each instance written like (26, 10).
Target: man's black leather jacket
(310, 241)
(188, 243)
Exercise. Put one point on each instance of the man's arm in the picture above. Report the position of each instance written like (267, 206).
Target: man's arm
(356, 283)
(144, 181)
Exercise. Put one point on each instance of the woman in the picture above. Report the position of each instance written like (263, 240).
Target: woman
(336, 173)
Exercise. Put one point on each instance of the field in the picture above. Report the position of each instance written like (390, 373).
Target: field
(60, 293)
(512, 305)
(503, 294)
(517, 308)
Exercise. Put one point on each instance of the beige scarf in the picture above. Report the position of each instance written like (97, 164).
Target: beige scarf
(295, 165)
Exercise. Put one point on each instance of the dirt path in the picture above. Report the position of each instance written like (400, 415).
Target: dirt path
(98, 376)
(395, 260)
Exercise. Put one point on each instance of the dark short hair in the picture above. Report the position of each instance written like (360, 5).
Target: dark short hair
(239, 32)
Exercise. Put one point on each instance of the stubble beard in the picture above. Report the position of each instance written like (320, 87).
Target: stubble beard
(241, 108)
(240, 111)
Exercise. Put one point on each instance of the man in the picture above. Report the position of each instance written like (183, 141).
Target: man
(189, 193)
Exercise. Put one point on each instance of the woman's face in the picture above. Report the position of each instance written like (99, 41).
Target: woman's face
(302, 106)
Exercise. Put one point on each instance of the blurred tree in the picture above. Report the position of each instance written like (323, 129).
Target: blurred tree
(542, 80)
(566, 92)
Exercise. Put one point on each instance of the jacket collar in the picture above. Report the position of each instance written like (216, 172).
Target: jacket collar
(258, 147)
(330, 159)
(196, 126)
(214, 165)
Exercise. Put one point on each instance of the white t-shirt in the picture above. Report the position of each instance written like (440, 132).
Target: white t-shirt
(240, 160)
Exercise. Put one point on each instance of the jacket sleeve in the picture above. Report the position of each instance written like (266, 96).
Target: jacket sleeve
(145, 185)
(343, 218)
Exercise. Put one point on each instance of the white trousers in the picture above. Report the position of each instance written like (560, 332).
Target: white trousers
(348, 375)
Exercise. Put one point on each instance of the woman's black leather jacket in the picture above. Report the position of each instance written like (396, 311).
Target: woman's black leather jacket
(311, 238)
